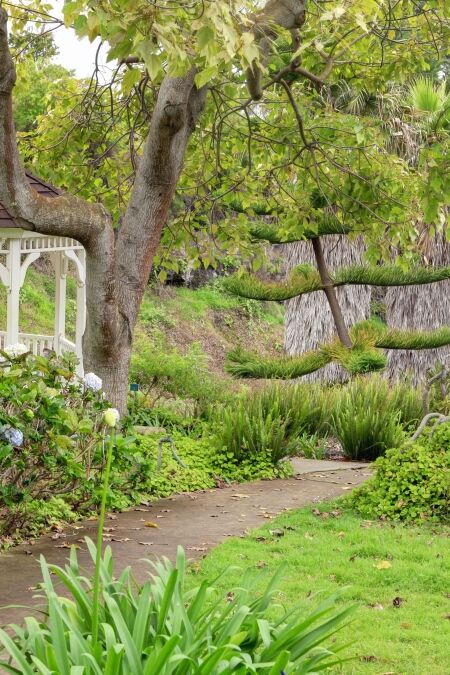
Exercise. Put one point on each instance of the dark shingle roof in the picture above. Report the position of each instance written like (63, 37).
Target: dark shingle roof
(6, 220)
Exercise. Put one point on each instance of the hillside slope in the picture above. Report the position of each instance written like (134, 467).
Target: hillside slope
(172, 318)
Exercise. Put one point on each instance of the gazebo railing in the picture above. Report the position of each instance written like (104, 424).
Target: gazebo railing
(38, 343)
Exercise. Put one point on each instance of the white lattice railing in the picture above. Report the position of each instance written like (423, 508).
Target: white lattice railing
(37, 343)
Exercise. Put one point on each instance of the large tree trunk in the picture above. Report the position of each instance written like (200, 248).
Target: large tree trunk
(308, 319)
(423, 308)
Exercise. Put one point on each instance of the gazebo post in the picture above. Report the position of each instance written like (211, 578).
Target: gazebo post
(81, 311)
(13, 292)
(60, 267)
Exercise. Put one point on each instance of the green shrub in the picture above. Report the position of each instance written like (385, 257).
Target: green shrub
(161, 627)
(369, 413)
(411, 482)
(50, 440)
(163, 373)
(269, 421)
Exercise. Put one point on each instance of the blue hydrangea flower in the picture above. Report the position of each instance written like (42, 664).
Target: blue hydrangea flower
(13, 436)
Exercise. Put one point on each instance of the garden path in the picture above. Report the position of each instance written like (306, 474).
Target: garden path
(195, 521)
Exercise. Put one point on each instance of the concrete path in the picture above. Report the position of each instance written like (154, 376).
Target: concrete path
(195, 521)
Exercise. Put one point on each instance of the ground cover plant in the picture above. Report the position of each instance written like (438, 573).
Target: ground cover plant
(398, 576)
(412, 482)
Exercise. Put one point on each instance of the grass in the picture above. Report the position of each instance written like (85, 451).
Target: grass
(375, 563)
(192, 304)
(37, 309)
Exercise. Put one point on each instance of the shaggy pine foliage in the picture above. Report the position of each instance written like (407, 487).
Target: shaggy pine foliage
(389, 275)
(325, 226)
(410, 339)
(305, 279)
(249, 365)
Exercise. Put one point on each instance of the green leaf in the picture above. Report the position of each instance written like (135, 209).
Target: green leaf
(130, 78)
(205, 76)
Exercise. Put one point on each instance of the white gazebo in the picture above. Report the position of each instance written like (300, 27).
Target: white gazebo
(18, 250)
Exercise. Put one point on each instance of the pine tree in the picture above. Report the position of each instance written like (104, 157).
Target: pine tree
(359, 348)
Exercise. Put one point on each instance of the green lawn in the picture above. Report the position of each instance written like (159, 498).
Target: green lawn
(374, 563)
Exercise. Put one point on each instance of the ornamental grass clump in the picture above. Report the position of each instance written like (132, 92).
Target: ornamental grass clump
(167, 627)
(270, 421)
(370, 414)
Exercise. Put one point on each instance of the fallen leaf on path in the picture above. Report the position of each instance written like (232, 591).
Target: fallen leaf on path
(277, 533)
(150, 523)
(66, 545)
(145, 543)
(197, 548)
(383, 565)
(237, 495)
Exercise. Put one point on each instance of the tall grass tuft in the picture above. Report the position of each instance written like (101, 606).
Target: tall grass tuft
(273, 420)
(369, 415)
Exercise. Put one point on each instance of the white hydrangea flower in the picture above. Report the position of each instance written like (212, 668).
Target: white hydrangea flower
(15, 350)
(111, 416)
(92, 381)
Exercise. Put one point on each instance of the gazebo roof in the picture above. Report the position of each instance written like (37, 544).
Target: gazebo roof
(7, 220)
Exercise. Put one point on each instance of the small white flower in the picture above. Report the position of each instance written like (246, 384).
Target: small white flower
(13, 351)
(92, 381)
(111, 416)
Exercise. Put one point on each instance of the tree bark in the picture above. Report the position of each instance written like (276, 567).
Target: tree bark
(329, 291)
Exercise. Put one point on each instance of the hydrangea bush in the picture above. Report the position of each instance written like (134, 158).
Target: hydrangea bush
(51, 435)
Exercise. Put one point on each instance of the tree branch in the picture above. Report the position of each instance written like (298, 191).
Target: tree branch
(177, 109)
(65, 215)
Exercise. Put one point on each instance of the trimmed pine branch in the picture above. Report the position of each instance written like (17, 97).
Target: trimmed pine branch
(365, 356)
(328, 224)
(306, 279)
(389, 275)
(411, 339)
(303, 279)
(249, 365)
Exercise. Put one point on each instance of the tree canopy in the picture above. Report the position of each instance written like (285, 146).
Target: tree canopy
(249, 99)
